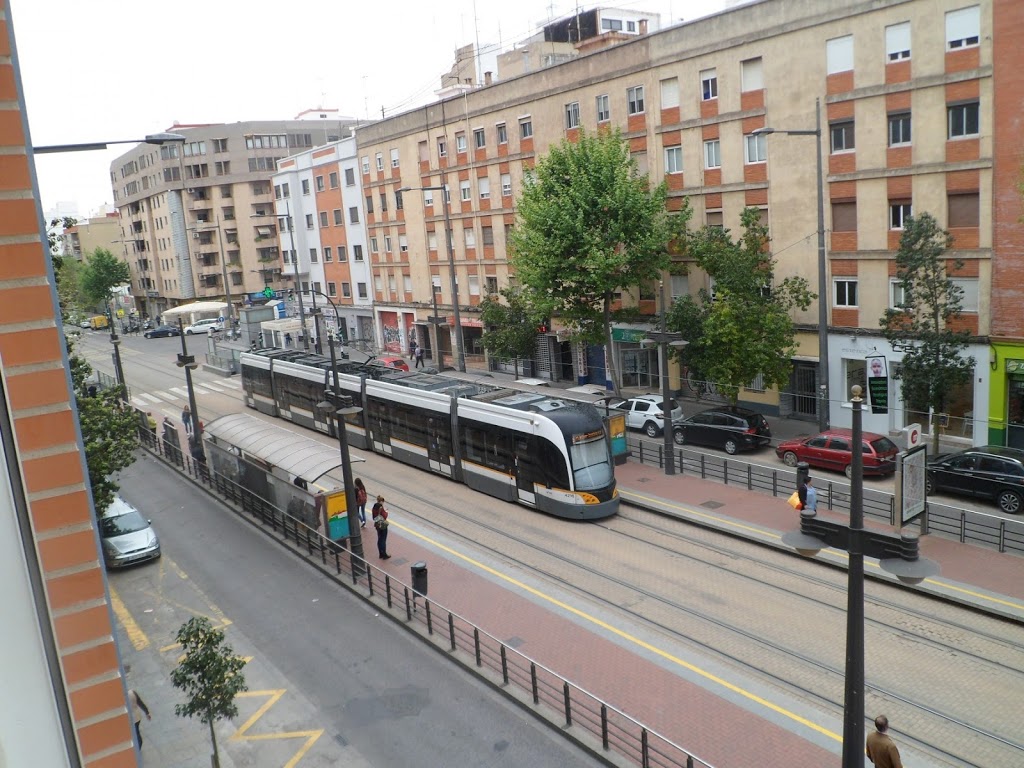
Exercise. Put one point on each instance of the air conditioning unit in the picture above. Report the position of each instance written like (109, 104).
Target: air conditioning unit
(190, 190)
(195, 235)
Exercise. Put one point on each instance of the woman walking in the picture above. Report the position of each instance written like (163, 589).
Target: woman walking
(361, 501)
(380, 522)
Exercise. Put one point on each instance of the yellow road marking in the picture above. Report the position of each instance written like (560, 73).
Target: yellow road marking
(631, 638)
(773, 535)
(275, 695)
(135, 634)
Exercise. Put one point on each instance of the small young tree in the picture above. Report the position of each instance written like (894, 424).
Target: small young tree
(745, 330)
(933, 361)
(589, 225)
(510, 327)
(102, 273)
(210, 675)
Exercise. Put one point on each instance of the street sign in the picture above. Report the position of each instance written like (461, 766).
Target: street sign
(911, 482)
(120, 313)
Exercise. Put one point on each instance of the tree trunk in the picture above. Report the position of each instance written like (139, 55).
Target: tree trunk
(215, 757)
(612, 371)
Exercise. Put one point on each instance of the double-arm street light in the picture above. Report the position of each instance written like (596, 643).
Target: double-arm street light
(153, 138)
(823, 403)
(665, 339)
(297, 276)
(443, 189)
(316, 319)
(188, 362)
(898, 554)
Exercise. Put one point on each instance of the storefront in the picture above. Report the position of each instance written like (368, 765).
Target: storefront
(1006, 414)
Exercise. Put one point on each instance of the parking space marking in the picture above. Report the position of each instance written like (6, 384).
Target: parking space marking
(138, 638)
(242, 733)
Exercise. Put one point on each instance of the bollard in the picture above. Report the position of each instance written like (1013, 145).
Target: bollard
(419, 578)
(803, 469)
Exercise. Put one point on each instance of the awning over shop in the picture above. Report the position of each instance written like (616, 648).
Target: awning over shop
(195, 308)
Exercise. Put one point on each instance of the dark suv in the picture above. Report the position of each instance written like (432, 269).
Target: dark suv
(731, 429)
(989, 472)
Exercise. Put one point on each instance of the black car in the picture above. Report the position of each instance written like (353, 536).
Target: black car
(731, 429)
(162, 330)
(989, 472)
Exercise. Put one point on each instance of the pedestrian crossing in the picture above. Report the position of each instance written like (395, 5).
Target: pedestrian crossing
(176, 395)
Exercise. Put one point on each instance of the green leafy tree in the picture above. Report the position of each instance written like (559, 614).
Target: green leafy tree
(72, 300)
(102, 273)
(746, 329)
(933, 363)
(210, 675)
(55, 235)
(511, 327)
(589, 225)
(109, 432)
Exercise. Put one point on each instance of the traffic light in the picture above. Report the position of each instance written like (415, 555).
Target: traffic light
(291, 294)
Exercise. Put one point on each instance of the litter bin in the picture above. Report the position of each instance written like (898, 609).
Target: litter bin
(419, 578)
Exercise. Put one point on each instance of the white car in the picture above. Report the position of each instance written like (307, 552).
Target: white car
(204, 326)
(646, 412)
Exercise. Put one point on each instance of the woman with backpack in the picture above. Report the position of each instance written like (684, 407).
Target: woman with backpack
(361, 501)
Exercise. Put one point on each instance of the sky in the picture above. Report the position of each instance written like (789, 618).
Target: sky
(107, 70)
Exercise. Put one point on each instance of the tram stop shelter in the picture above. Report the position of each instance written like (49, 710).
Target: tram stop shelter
(295, 473)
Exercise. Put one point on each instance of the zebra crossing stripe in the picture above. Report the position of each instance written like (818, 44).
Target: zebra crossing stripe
(149, 397)
(180, 391)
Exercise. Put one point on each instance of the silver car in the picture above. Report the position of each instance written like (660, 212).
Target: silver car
(127, 536)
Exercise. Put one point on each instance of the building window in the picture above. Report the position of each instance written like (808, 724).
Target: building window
(399, 202)
(387, 243)
(470, 235)
(319, 183)
(525, 128)
(394, 158)
(841, 136)
(899, 129)
(898, 214)
(963, 120)
(845, 293)
(502, 133)
(709, 84)
(465, 192)
(752, 75)
(350, 177)
(353, 214)
(366, 165)
(369, 204)
(963, 28)
(313, 256)
(379, 159)
(328, 254)
(346, 290)
(572, 115)
(844, 216)
(755, 148)
(332, 179)
(428, 198)
(357, 253)
(897, 296)
(969, 295)
(670, 93)
(491, 284)
(323, 218)
(460, 142)
(220, 145)
(479, 138)
(432, 241)
(403, 244)
(611, 25)
(484, 186)
(897, 42)
(714, 219)
(383, 202)
(442, 147)
(332, 288)
(310, 221)
(506, 185)
(338, 220)
(635, 100)
(305, 187)
(604, 112)
(839, 54)
(474, 285)
(374, 248)
(673, 159)
(963, 210)
(222, 168)
(712, 154)
(342, 254)
(487, 235)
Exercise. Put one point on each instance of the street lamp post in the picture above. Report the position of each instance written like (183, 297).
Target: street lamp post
(664, 339)
(153, 138)
(224, 275)
(316, 318)
(118, 370)
(898, 554)
(823, 405)
(297, 277)
(188, 362)
(461, 355)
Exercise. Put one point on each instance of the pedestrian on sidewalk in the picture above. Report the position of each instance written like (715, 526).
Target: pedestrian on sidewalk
(419, 357)
(380, 522)
(881, 749)
(138, 708)
(810, 495)
(186, 419)
(361, 501)
(412, 349)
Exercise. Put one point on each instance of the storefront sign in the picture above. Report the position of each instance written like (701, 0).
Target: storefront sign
(1015, 366)
(878, 384)
(629, 335)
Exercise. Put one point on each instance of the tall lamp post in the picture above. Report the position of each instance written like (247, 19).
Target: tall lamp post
(188, 362)
(116, 343)
(823, 404)
(297, 276)
(898, 554)
(443, 188)
(664, 339)
(224, 274)
(316, 319)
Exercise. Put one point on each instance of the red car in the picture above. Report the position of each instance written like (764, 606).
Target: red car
(831, 450)
(391, 361)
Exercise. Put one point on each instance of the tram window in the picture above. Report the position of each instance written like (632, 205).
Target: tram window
(489, 446)
(552, 461)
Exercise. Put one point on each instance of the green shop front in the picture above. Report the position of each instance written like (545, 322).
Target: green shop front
(1006, 419)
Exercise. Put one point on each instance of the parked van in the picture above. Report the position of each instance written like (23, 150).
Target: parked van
(98, 321)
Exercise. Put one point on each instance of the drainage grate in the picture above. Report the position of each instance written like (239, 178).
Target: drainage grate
(514, 642)
(712, 504)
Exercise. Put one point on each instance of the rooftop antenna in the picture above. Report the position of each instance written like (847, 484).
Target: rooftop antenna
(476, 30)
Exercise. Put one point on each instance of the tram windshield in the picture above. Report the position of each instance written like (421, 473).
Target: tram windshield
(591, 461)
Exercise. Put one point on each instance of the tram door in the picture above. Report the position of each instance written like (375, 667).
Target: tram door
(439, 446)
(379, 426)
(526, 470)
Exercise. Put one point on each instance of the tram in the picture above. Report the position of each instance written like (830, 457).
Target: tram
(524, 447)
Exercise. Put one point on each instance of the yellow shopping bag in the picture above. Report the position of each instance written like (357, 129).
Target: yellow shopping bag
(794, 500)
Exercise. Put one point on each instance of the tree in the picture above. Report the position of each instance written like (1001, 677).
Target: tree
(109, 432)
(210, 675)
(102, 273)
(589, 226)
(55, 239)
(68, 274)
(933, 364)
(745, 330)
(511, 327)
